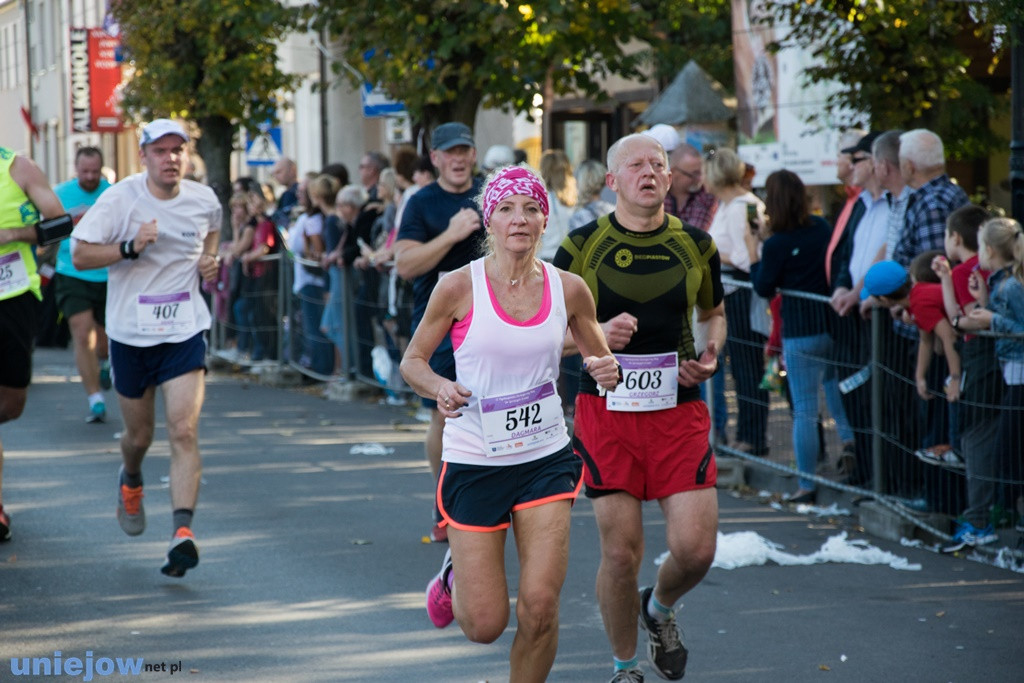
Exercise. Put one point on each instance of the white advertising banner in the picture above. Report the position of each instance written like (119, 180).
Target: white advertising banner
(774, 101)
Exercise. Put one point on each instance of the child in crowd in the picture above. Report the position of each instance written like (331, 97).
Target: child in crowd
(920, 295)
(1001, 299)
(981, 385)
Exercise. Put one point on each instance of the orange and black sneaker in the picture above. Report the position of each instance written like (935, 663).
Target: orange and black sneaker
(130, 513)
(183, 553)
(5, 527)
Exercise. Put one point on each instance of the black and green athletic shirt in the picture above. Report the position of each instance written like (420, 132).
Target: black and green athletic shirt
(655, 276)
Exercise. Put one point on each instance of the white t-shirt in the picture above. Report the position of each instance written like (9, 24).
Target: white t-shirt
(154, 299)
(728, 227)
(306, 224)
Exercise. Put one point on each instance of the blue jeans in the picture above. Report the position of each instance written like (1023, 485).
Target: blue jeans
(244, 318)
(318, 351)
(807, 370)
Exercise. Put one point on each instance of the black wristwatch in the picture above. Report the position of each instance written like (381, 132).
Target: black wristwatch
(128, 250)
(956, 323)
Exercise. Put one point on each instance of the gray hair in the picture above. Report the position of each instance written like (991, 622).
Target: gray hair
(590, 178)
(685, 149)
(887, 147)
(923, 148)
(353, 195)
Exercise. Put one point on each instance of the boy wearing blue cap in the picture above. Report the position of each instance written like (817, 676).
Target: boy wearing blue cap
(919, 294)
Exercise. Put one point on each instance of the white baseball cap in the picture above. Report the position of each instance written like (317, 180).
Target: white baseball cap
(157, 128)
(665, 134)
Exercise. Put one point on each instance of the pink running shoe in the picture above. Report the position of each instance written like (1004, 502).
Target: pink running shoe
(439, 534)
(439, 598)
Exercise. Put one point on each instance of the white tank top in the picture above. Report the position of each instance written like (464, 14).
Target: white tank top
(515, 413)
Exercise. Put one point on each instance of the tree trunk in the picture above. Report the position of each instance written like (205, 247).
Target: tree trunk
(462, 110)
(216, 140)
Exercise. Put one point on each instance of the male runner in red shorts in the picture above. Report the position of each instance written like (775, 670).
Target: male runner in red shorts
(648, 439)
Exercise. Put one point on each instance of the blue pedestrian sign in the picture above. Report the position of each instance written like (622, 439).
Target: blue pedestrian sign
(376, 102)
(264, 149)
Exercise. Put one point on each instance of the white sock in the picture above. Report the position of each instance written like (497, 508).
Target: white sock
(96, 398)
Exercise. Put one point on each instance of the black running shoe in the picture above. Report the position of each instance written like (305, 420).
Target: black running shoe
(664, 641)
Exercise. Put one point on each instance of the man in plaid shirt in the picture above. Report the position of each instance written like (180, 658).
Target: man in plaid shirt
(933, 195)
(687, 199)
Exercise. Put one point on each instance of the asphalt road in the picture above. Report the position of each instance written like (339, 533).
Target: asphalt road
(312, 566)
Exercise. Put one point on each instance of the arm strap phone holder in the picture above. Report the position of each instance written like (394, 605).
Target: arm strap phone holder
(53, 230)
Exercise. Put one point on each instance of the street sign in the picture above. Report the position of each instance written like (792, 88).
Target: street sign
(376, 102)
(265, 148)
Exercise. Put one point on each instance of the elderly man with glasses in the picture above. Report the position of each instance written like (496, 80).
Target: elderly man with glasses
(687, 198)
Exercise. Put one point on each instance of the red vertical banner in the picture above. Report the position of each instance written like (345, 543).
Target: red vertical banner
(104, 81)
(95, 80)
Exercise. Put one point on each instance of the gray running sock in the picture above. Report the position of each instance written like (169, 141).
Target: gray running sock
(132, 481)
(182, 518)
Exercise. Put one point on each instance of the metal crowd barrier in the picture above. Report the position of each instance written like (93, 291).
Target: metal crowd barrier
(908, 454)
(362, 341)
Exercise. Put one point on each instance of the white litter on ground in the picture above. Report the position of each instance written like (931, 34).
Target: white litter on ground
(370, 449)
(832, 510)
(747, 548)
(1004, 558)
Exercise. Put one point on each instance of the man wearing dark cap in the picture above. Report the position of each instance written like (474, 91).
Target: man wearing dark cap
(861, 244)
(864, 235)
(158, 234)
(440, 231)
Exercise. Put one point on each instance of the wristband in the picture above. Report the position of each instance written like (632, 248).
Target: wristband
(956, 323)
(128, 250)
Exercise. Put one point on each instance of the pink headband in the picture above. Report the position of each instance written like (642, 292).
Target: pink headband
(510, 181)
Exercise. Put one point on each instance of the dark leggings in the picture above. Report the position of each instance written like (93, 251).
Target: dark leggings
(746, 360)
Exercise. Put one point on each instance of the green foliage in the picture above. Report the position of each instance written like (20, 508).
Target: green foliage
(902, 63)
(444, 58)
(698, 29)
(204, 58)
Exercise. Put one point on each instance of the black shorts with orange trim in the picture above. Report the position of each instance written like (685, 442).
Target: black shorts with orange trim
(483, 498)
(649, 455)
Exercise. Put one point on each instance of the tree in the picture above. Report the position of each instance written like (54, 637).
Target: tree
(444, 58)
(211, 61)
(906, 63)
(699, 30)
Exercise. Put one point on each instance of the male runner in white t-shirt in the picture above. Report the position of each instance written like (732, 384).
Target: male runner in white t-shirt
(158, 234)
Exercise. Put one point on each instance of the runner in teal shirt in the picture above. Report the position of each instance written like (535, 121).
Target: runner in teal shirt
(82, 294)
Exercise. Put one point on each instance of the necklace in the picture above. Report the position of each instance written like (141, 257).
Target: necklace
(513, 281)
